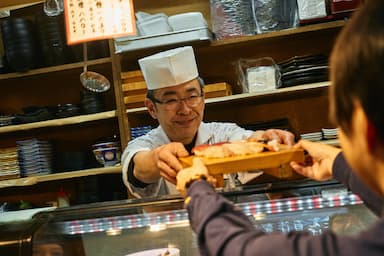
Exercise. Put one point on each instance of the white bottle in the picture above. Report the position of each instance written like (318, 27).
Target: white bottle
(62, 198)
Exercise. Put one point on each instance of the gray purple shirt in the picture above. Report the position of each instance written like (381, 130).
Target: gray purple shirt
(222, 229)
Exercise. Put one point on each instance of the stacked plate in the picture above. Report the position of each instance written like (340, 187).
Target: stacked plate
(67, 110)
(6, 120)
(33, 114)
(91, 102)
(312, 136)
(329, 133)
(35, 157)
(303, 70)
(139, 131)
(9, 164)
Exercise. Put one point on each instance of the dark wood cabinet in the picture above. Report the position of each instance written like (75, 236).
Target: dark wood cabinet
(305, 107)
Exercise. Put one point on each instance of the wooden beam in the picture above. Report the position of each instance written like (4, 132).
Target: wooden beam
(16, 4)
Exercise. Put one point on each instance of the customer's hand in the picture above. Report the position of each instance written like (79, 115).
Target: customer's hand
(281, 136)
(197, 171)
(319, 162)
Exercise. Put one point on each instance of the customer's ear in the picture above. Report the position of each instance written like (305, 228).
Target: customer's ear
(371, 135)
(151, 108)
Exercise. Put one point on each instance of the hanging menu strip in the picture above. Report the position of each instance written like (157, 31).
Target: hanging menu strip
(89, 20)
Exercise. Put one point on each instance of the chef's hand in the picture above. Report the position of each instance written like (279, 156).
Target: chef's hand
(197, 171)
(160, 162)
(281, 136)
(319, 162)
(166, 159)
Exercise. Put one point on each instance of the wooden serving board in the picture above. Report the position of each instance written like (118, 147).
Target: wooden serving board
(264, 160)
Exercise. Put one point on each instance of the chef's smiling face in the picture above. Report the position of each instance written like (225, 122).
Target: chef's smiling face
(179, 110)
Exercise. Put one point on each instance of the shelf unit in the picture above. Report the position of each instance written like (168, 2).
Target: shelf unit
(49, 86)
(29, 181)
(53, 69)
(216, 64)
(250, 96)
(59, 122)
(281, 33)
(298, 104)
(305, 106)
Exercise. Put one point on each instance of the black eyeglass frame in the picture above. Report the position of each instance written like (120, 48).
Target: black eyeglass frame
(151, 94)
(177, 102)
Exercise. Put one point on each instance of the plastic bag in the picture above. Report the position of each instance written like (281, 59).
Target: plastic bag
(231, 18)
(255, 75)
(272, 15)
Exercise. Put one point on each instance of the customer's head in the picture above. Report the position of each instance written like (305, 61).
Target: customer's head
(47, 249)
(357, 69)
(175, 92)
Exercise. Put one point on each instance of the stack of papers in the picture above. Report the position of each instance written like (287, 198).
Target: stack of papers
(9, 164)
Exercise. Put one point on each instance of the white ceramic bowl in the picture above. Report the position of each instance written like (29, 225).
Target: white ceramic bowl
(157, 252)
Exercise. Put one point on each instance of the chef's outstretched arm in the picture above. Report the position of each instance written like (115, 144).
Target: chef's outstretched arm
(162, 161)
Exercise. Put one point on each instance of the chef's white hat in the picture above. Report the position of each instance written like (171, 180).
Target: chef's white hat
(169, 68)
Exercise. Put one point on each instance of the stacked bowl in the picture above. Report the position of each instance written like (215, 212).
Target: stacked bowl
(91, 102)
(20, 44)
(51, 32)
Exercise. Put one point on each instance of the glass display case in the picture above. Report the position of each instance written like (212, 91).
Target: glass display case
(131, 226)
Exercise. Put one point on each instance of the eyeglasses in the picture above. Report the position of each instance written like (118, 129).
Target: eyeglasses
(172, 104)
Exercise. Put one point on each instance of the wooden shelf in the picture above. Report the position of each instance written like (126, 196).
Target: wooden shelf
(59, 122)
(282, 91)
(15, 4)
(251, 96)
(281, 33)
(77, 65)
(29, 181)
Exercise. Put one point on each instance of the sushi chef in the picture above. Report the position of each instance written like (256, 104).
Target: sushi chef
(175, 98)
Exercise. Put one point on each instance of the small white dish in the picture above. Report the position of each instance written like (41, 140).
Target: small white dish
(157, 252)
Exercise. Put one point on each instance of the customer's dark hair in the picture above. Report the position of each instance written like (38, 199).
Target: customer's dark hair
(357, 67)
(151, 93)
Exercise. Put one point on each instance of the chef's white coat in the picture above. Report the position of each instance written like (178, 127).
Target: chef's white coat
(208, 133)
